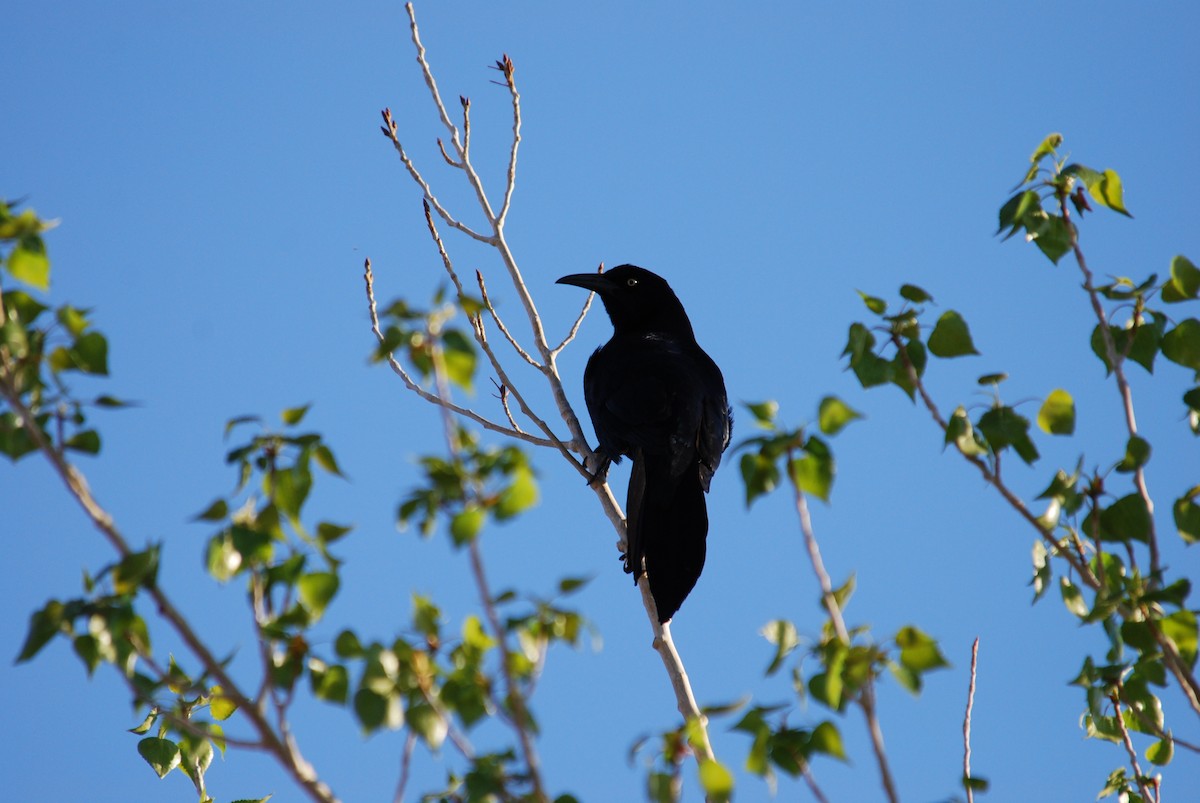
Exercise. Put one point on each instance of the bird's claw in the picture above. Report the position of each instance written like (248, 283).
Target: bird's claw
(597, 467)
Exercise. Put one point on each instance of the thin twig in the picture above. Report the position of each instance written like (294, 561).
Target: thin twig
(866, 697)
(1116, 361)
(587, 305)
(1133, 756)
(390, 130)
(967, 725)
(812, 785)
(410, 742)
(507, 68)
(487, 302)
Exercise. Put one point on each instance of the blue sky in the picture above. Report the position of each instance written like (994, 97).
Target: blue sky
(219, 176)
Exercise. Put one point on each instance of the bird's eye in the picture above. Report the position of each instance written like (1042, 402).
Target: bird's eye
(631, 282)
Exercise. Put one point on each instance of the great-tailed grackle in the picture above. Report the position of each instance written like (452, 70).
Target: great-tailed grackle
(655, 396)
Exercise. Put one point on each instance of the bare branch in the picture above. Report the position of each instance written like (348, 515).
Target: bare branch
(459, 146)
(866, 697)
(506, 67)
(487, 302)
(587, 305)
(967, 724)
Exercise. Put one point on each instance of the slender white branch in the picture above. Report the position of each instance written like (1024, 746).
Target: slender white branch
(967, 724)
(487, 302)
(506, 67)
(587, 305)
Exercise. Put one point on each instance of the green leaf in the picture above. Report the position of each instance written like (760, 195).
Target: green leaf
(950, 337)
(813, 471)
(914, 351)
(220, 706)
(1180, 627)
(1137, 454)
(87, 442)
(197, 756)
(294, 415)
(1003, 427)
(961, 433)
(1057, 416)
(759, 474)
(716, 780)
(28, 262)
(569, 585)
(329, 683)
(869, 367)
(826, 739)
(43, 626)
(1050, 234)
(329, 532)
(992, 379)
(347, 645)
(317, 589)
(145, 725)
(1044, 149)
(89, 354)
(217, 511)
(518, 497)
(1187, 516)
(466, 524)
(161, 754)
(1109, 192)
(1126, 518)
(326, 460)
(1146, 342)
(975, 783)
(459, 358)
(375, 710)
(1017, 210)
(876, 305)
(1184, 283)
(1073, 598)
(135, 570)
(764, 412)
(918, 651)
(784, 636)
(910, 292)
(1182, 344)
(1161, 752)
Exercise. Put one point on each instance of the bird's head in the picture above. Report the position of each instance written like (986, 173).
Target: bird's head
(636, 300)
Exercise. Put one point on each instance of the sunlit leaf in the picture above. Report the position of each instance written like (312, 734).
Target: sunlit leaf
(1057, 416)
(834, 414)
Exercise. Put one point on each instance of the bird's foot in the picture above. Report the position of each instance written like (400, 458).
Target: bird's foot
(598, 468)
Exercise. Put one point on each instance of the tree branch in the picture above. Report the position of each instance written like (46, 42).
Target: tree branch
(286, 753)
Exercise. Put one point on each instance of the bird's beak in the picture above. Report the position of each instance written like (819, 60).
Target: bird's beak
(589, 281)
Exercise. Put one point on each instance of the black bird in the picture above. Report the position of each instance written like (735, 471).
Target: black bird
(656, 397)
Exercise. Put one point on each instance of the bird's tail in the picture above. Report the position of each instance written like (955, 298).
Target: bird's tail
(667, 525)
